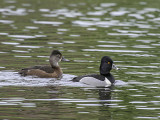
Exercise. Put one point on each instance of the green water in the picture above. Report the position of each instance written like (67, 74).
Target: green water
(84, 31)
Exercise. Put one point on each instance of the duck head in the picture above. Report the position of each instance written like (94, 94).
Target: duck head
(55, 58)
(106, 65)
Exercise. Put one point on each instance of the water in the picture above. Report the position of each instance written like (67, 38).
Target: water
(84, 31)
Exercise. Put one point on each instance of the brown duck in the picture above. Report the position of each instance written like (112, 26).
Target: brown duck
(52, 71)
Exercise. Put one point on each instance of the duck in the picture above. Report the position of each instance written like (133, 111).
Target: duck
(52, 71)
(105, 78)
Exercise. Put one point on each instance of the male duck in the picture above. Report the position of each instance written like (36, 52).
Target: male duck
(52, 71)
(104, 79)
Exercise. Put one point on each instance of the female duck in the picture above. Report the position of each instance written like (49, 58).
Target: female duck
(52, 71)
(104, 79)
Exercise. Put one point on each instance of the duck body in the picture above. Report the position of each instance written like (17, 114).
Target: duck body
(95, 80)
(42, 72)
(105, 78)
(52, 71)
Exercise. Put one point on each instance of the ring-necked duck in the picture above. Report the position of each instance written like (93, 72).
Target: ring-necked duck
(52, 71)
(104, 79)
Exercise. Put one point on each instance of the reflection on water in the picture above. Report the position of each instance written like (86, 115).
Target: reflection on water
(91, 100)
(127, 31)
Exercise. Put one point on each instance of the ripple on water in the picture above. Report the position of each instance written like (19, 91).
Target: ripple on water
(121, 46)
(6, 21)
(2, 67)
(106, 23)
(66, 13)
(143, 73)
(3, 52)
(138, 102)
(141, 66)
(62, 29)
(126, 34)
(140, 55)
(118, 13)
(3, 33)
(31, 27)
(137, 16)
(16, 101)
(129, 31)
(156, 44)
(146, 41)
(74, 35)
(10, 1)
(28, 46)
(90, 19)
(83, 23)
(108, 42)
(97, 13)
(40, 35)
(138, 95)
(21, 36)
(92, 29)
(55, 43)
(90, 105)
(48, 23)
(123, 51)
(149, 118)
(69, 42)
(108, 4)
(17, 12)
(10, 43)
(22, 56)
(148, 108)
(43, 56)
(44, 10)
(20, 51)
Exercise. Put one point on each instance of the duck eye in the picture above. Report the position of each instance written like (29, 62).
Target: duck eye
(58, 56)
(109, 62)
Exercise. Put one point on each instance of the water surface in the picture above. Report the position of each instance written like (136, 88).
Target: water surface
(84, 31)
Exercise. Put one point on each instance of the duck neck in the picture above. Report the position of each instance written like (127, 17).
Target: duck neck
(53, 62)
(107, 74)
(57, 71)
(110, 77)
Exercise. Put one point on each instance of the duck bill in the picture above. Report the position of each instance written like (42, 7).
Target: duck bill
(115, 67)
(64, 59)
